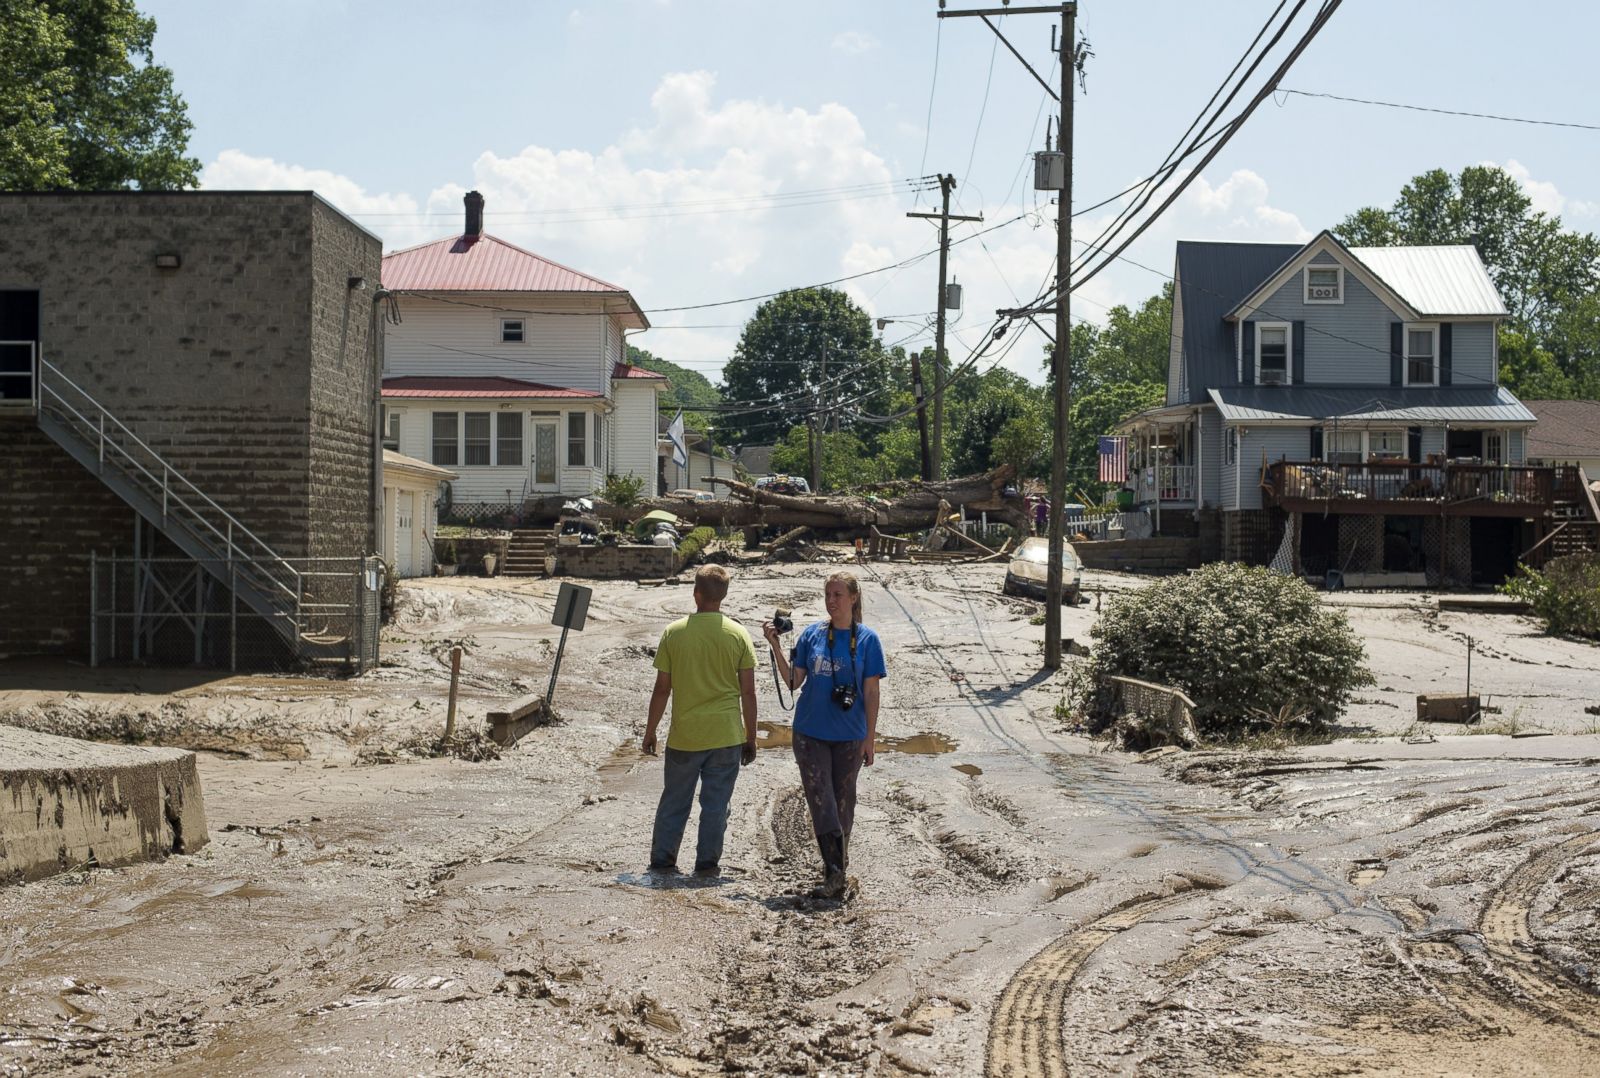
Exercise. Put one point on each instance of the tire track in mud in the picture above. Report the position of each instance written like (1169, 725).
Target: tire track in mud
(1027, 1033)
(1509, 939)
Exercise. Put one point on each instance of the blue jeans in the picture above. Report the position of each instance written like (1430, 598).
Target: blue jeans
(715, 770)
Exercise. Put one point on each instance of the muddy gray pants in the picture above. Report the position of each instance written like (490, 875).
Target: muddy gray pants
(828, 771)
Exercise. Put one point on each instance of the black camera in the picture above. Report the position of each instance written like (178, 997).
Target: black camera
(844, 696)
(782, 622)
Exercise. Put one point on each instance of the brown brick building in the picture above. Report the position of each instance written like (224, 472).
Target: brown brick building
(206, 360)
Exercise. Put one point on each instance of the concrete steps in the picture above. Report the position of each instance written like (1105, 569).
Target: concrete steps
(527, 551)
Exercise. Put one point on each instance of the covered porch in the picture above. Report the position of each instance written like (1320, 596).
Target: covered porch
(1165, 452)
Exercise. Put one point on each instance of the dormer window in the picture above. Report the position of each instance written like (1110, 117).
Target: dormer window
(511, 331)
(1324, 284)
(1272, 353)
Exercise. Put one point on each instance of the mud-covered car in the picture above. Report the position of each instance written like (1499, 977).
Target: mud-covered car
(783, 484)
(1029, 566)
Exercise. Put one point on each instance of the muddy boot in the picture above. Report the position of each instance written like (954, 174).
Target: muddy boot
(834, 881)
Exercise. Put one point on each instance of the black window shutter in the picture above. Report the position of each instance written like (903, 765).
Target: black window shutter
(1299, 353)
(1249, 331)
(1414, 444)
(1445, 333)
(1397, 354)
(1316, 443)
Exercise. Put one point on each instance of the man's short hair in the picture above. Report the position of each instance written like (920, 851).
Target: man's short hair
(711, 581)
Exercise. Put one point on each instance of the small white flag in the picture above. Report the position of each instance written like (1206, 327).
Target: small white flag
(680, 451)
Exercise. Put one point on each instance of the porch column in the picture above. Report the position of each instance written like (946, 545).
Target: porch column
(1199, 461)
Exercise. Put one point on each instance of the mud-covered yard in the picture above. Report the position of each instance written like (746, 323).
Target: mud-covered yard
(1403, 900)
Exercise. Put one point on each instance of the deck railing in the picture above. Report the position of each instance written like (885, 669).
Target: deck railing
(1487, 488)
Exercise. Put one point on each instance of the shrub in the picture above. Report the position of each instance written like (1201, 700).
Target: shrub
(1247, 645)
(695, 542)
(1565, 595)
(622, 491)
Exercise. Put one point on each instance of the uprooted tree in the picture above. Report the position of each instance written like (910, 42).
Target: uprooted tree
(889, 507)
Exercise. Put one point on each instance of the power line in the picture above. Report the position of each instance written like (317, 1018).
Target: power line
(425, 294)
(1441, 112)
(982, 109)
(1170, 163)
(868, 187)
(1321, 20)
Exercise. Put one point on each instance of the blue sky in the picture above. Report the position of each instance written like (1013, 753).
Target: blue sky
(393, 112)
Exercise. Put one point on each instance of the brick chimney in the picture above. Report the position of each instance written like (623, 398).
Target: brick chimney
(474, 202)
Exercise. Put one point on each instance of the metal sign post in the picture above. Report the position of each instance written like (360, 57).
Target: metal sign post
(572, 608)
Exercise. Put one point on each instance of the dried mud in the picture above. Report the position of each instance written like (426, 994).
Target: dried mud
(1023, 903)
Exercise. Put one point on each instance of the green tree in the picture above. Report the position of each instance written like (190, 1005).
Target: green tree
(1002, 398)
(1095, 414)
(1543, 272)
(844, 462)
(686, 389)
(779, 362)
(83, 105)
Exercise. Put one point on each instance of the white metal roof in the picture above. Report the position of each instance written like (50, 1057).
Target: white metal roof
(1436, 280)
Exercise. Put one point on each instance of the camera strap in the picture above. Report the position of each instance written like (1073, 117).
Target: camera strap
(853, 680)
(777, 683)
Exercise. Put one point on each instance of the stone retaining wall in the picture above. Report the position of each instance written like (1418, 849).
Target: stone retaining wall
(616, 562)
(1158, 555)
(66, 803)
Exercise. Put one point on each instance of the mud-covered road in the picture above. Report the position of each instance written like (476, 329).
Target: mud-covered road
(1029, 904)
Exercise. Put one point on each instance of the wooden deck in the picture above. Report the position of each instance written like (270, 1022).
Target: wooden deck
(1403, 488)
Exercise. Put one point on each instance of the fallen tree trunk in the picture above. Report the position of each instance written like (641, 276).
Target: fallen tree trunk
(890, 507)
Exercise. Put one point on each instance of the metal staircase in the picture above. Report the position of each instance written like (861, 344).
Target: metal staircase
(236, 557)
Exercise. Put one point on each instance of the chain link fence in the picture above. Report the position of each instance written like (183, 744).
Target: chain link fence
(179, 611)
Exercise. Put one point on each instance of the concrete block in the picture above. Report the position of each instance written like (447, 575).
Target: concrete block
(66, 803)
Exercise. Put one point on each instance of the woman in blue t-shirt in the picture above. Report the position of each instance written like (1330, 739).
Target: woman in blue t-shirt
(836, 666)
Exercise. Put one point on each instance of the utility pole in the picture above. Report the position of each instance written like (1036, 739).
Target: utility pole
(925, 459)
(1058, 448)
(947, 183)
(1061, 360)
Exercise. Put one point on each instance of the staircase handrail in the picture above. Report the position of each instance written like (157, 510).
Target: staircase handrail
(292, 589)
(1588, 493)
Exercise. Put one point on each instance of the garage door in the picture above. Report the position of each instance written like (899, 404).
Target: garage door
(404, 534)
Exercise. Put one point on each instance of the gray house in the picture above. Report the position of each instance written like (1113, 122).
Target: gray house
(1331, 407)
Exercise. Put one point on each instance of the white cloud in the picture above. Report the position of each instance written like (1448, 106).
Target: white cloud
(854, 42)
(1544, 195)
(236, 170)
(681, 210)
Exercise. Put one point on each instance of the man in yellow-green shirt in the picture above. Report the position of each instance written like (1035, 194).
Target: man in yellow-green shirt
(706, 664)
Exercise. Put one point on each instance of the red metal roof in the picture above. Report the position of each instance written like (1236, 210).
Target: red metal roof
(625, 370)
(435, 388)
(489, 264)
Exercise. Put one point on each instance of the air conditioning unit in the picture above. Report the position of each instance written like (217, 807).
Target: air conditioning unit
(1274, 378)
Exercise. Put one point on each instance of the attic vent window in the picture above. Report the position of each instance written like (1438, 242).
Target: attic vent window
(1324, 284)
(511, 330)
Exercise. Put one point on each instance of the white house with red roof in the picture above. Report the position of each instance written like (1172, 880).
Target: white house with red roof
(507, 369)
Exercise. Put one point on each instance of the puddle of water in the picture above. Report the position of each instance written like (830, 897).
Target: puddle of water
(774, 735)
(1367, 872)
(972, 770)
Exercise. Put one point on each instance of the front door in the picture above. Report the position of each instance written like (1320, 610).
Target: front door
(19, 346)
(546, 476)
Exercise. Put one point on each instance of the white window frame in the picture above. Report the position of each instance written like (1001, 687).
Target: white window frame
(1230, 446)
(1405, 442)
(1306, 283)
(1406, 330)
(461, 439)
(581, 442)
(513, 325)
(391, 428)
(1288, 352)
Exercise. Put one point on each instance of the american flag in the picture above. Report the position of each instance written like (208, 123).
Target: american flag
(1113, 459)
